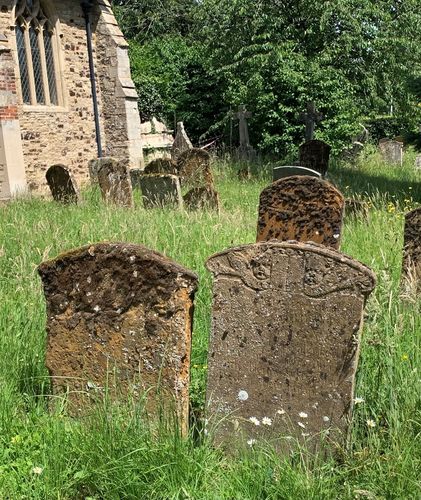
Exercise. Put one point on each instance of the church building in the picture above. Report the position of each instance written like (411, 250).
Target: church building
(66, 94)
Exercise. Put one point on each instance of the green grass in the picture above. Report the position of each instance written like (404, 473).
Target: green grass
(115, 453)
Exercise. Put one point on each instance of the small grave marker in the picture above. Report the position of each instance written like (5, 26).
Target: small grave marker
(284, 343)
(119, 314)
(160, 190)
(202, 198)
(391, 151)
(63, 186)
(315, 155)
(114, 181)
(301, 208)
(287, 171)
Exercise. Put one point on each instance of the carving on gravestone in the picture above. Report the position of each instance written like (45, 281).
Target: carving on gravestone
(181, 142)
(287, 171)
(411, 267)
(119, 314)
(310, 118)
(391, 151)
(160, 190)
(161, 166)
(114, 181)
(285, 369)
(63, 186)
(315, 155)
(245, 151)
(301, 208)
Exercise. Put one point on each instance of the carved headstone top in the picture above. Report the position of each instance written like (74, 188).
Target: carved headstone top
(122, 313)
(284, 342)
(181, 143)
(412, 248)
(301, 208)
(161, 166)
(315, 155)
(114, 181)
(63, 186)
(194, 168)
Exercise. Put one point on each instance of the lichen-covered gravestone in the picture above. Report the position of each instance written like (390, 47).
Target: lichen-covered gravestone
(301, 208)
(194, 168)
(161, 166)
(287, 171)
(411, 269)
(114, 181)
(315, 154)
(160, 190)
(63, 186)
(284, 345)
(181, 142)
(119, 315)
(391, 151)
(202, 198)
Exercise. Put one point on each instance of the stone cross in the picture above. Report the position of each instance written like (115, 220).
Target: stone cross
(310, 118)
(119, 319)
(284, 344)
(242, 116)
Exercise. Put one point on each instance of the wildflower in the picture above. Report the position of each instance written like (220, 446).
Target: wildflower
(302, 414)
(251, 442)
(266, 421)
(37, 470)
(281, 412)
(254, 420)
(371, 423)
(301, 425)
(97, 308)
(132, 258)
(358, 401)
(242, 395)
(404, 357)
(326, 419)
(305, 434)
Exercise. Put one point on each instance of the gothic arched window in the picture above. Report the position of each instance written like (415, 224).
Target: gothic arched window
(37, 54)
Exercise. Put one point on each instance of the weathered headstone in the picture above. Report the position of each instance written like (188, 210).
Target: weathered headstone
(63, 186)
(391, 151)
(201, 198)
(245, 151)
(287, 170)
(194, 168)
(418, 162)
(157, 140)
(284, 344)
(301, 208)
(119, 315)
(114, 181)
(160, 190)
(315, 155)
(181, 142)
(411, 268)
(310, 118)
(161, 166)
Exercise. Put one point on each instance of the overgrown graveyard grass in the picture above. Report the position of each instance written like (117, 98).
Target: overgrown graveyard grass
(116, 453)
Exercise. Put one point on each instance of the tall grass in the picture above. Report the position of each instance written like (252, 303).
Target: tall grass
(115, 453)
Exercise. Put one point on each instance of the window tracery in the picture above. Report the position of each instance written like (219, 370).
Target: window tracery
(36, 48)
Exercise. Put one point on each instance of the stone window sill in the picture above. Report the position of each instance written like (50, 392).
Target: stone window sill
(44, 109)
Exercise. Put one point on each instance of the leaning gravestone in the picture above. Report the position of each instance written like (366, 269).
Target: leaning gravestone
(62, 185)
(119, 315)
(202, 198)
(181, 142)
(284, 343)
(286, 171)
(301, 208)
(160, 190)
(391, 151)
(411, 268)
(194, 168)
(114, 181)
(315, 154)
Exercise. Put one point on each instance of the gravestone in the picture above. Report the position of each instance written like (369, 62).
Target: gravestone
(157, 140)
(301, 208)
(418, 162)
(114, 181)
(161, 166)
(246, 152)
(315, 155)
(194, 168)
(119, 315)
(284, 344)
(287, 171)
(310, 118)
(411, 268)
(63, 186)
(160, 190)
(391, 151)
(181, 142)
(202, 198)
